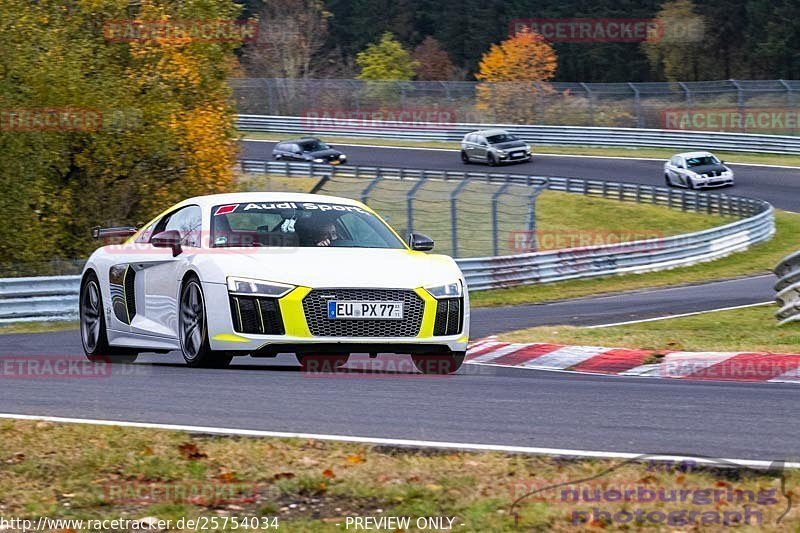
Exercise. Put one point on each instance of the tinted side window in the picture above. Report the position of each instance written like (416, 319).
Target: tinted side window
(188, 221)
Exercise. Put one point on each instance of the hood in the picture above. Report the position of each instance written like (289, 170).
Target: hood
(329, 267)
(510, 144)
(705, 169)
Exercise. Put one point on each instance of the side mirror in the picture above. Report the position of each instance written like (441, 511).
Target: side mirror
(420, 242)
(722, 162)
(170, 238)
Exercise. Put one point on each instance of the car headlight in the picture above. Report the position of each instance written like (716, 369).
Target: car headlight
(319, 160)
(342, 156)
(450, 290)
(501, 152)
(257, 287)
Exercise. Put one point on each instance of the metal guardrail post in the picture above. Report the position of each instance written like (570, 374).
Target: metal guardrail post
(454, 214)
(637, 103)
(530, 218)
(410, 196)
(495, 197)
(368, 189)
(739, 94)
(790, 100)
(591, 102)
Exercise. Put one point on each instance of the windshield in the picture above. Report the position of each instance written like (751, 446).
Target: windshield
(299, 224)
(313, 146)
(501, 138)
(701, 161)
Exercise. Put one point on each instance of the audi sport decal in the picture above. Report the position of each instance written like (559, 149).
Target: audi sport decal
(309, 206)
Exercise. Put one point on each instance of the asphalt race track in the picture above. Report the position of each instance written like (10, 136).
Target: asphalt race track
(480, 405)
(624, 307)
(778, 185)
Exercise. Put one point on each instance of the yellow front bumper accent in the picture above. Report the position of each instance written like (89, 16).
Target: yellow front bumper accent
(294, 318)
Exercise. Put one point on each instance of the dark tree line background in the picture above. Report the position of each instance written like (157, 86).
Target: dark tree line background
(747, 39)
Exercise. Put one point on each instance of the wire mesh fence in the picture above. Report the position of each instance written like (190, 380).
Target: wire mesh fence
(766, 106)
(476, 214)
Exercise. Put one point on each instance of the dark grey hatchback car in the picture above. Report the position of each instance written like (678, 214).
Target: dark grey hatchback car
(309, 149)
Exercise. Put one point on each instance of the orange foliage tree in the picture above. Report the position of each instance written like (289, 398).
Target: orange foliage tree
(513, 75)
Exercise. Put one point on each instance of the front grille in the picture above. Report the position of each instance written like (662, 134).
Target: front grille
(256, 315)
(449, 317)
(315, 306)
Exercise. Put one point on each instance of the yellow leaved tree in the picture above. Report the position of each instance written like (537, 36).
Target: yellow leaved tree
(513, 76)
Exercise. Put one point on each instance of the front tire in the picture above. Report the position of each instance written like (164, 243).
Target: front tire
(491, 160)
(465, 158)
(193, 329)
(94, 336)
(439, 364)
(668, 180)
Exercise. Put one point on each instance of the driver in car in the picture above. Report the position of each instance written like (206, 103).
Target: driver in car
(327, 234)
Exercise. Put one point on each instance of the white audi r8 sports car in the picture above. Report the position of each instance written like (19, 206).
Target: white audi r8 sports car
(266, 273)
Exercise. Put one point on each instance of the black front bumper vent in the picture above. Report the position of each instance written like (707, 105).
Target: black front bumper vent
(449, 317)
(256, 315)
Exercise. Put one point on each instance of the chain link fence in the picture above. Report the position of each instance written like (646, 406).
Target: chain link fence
(766, 106)
(482, 214)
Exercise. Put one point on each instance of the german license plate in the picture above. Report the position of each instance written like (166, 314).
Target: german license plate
(517, 154)
(365, 310)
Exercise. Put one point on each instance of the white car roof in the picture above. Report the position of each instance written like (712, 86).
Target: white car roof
(488, 133)
(242, 197)
(695, 154)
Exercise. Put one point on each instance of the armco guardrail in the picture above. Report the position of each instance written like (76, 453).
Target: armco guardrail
(537, 135)
(39, 298)
(788, 289)
(54, 298)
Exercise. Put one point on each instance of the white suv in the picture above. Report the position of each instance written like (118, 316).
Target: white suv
(697, 170)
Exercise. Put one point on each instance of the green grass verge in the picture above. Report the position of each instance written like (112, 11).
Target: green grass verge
(264, 182)
(563, 220)
(749, 329)
(37, 327)
(759, 259)
(93, 472)
(605, 151)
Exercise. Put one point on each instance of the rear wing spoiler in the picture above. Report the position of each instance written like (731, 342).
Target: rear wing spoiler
(106, 233)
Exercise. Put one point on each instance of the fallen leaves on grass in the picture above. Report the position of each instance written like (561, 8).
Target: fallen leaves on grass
(189, 450)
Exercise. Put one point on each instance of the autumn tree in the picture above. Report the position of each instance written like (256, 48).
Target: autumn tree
(512, 76)
(675, 47)
(163, 129)
(385, 60)
(433, 63)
